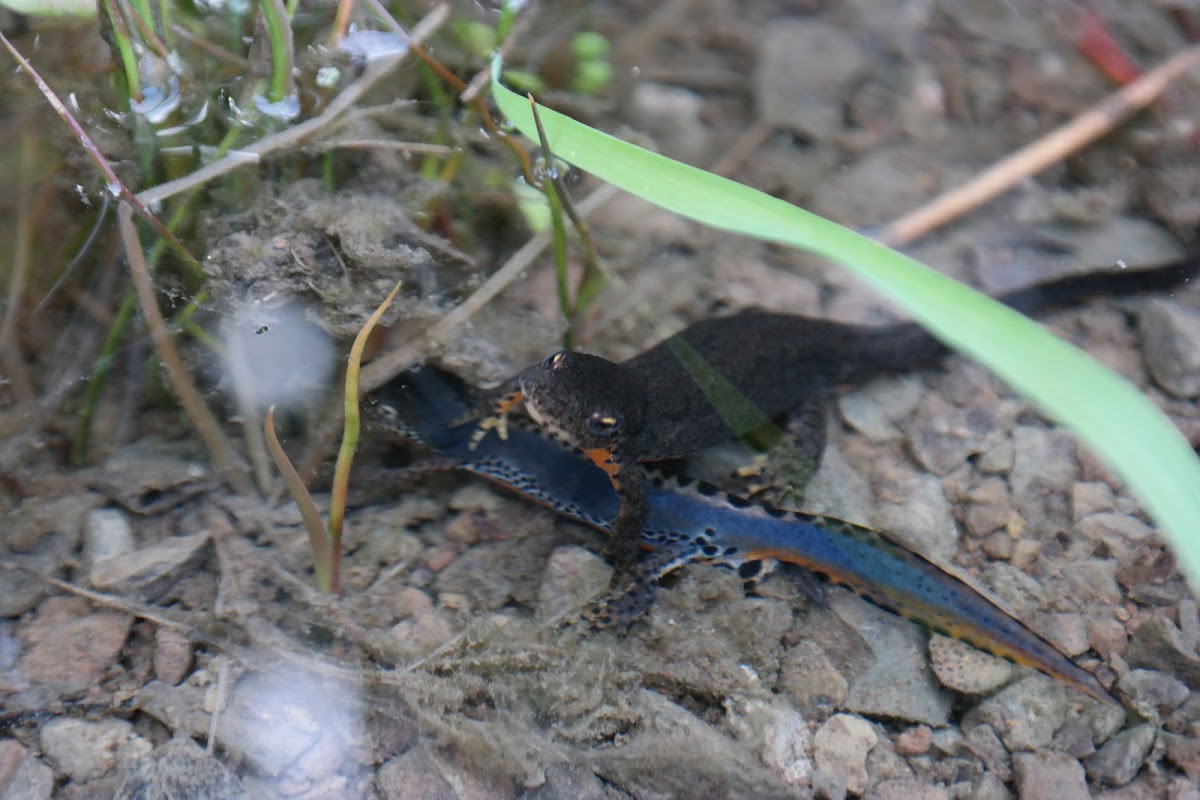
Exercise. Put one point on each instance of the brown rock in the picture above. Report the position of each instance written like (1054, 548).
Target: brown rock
(76, 651)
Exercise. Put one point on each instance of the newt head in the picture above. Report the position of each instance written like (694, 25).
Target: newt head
(588, 401)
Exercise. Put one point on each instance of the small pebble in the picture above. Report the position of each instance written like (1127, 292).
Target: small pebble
(1047, 775)
(1170, 334)
(172, 656)
(1108, 638)
(573, 577)
(87, 750)
(1184, 752)
(1090, 497)
(966, 670)
(1118, 761)
(923, 521)
(1026, 714)
(77, 651)
(413, 776)
(840, 747)
(440, 557)
(1158, 644)
(914, 741)
(1155, 689)
(106, 533)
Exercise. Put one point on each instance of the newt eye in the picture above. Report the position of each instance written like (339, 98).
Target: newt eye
(604, 424)
(552, 361)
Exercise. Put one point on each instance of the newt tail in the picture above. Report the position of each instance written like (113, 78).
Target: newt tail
(691, 521)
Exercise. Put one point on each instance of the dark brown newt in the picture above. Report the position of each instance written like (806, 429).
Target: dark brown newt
(758, 365)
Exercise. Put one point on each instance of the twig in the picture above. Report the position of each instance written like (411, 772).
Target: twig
(1050, 149)
(423, 148)
(141, 611)
(219, 447)
(219, 702)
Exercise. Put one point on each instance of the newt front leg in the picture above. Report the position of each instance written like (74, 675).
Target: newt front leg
(629, 482)
(507, 397)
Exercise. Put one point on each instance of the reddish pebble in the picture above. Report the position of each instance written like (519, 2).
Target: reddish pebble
(1108, 638)
(441, 557)
(914, 741)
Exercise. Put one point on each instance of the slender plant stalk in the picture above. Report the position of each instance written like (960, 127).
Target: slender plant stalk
(318, 540)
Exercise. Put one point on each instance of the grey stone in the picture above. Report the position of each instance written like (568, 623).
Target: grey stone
(909, 788)
(87, 750)
(181, 770)
(473, 576)
(1093, 582)
(966, 670)
(1158, 644)
(1113, 529)
(31, 780)
(144, 568)
(1090, 497)
(810, 679)
(1049, 775)
(898, 684)
(876, 187)
(413, 776)
(838, 490)
(21, 589)
(674, 116)
(1155, 689)
(1171, 343)
(840, 747)
(1043, 459)
(874, 409)
(923, 522)
(998, 460)
(573, 577)
(36, 517)
(805, 69)
(1119, 760)
(998, 21)
(274, 719)
(568, 780)
(106, 533)
(1026, 714)
(943, 436)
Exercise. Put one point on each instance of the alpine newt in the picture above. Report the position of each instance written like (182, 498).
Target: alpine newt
(692, 521)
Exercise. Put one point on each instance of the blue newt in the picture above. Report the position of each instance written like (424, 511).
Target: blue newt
(692, 521)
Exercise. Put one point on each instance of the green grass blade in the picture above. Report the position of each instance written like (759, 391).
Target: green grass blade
(1104, 410)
